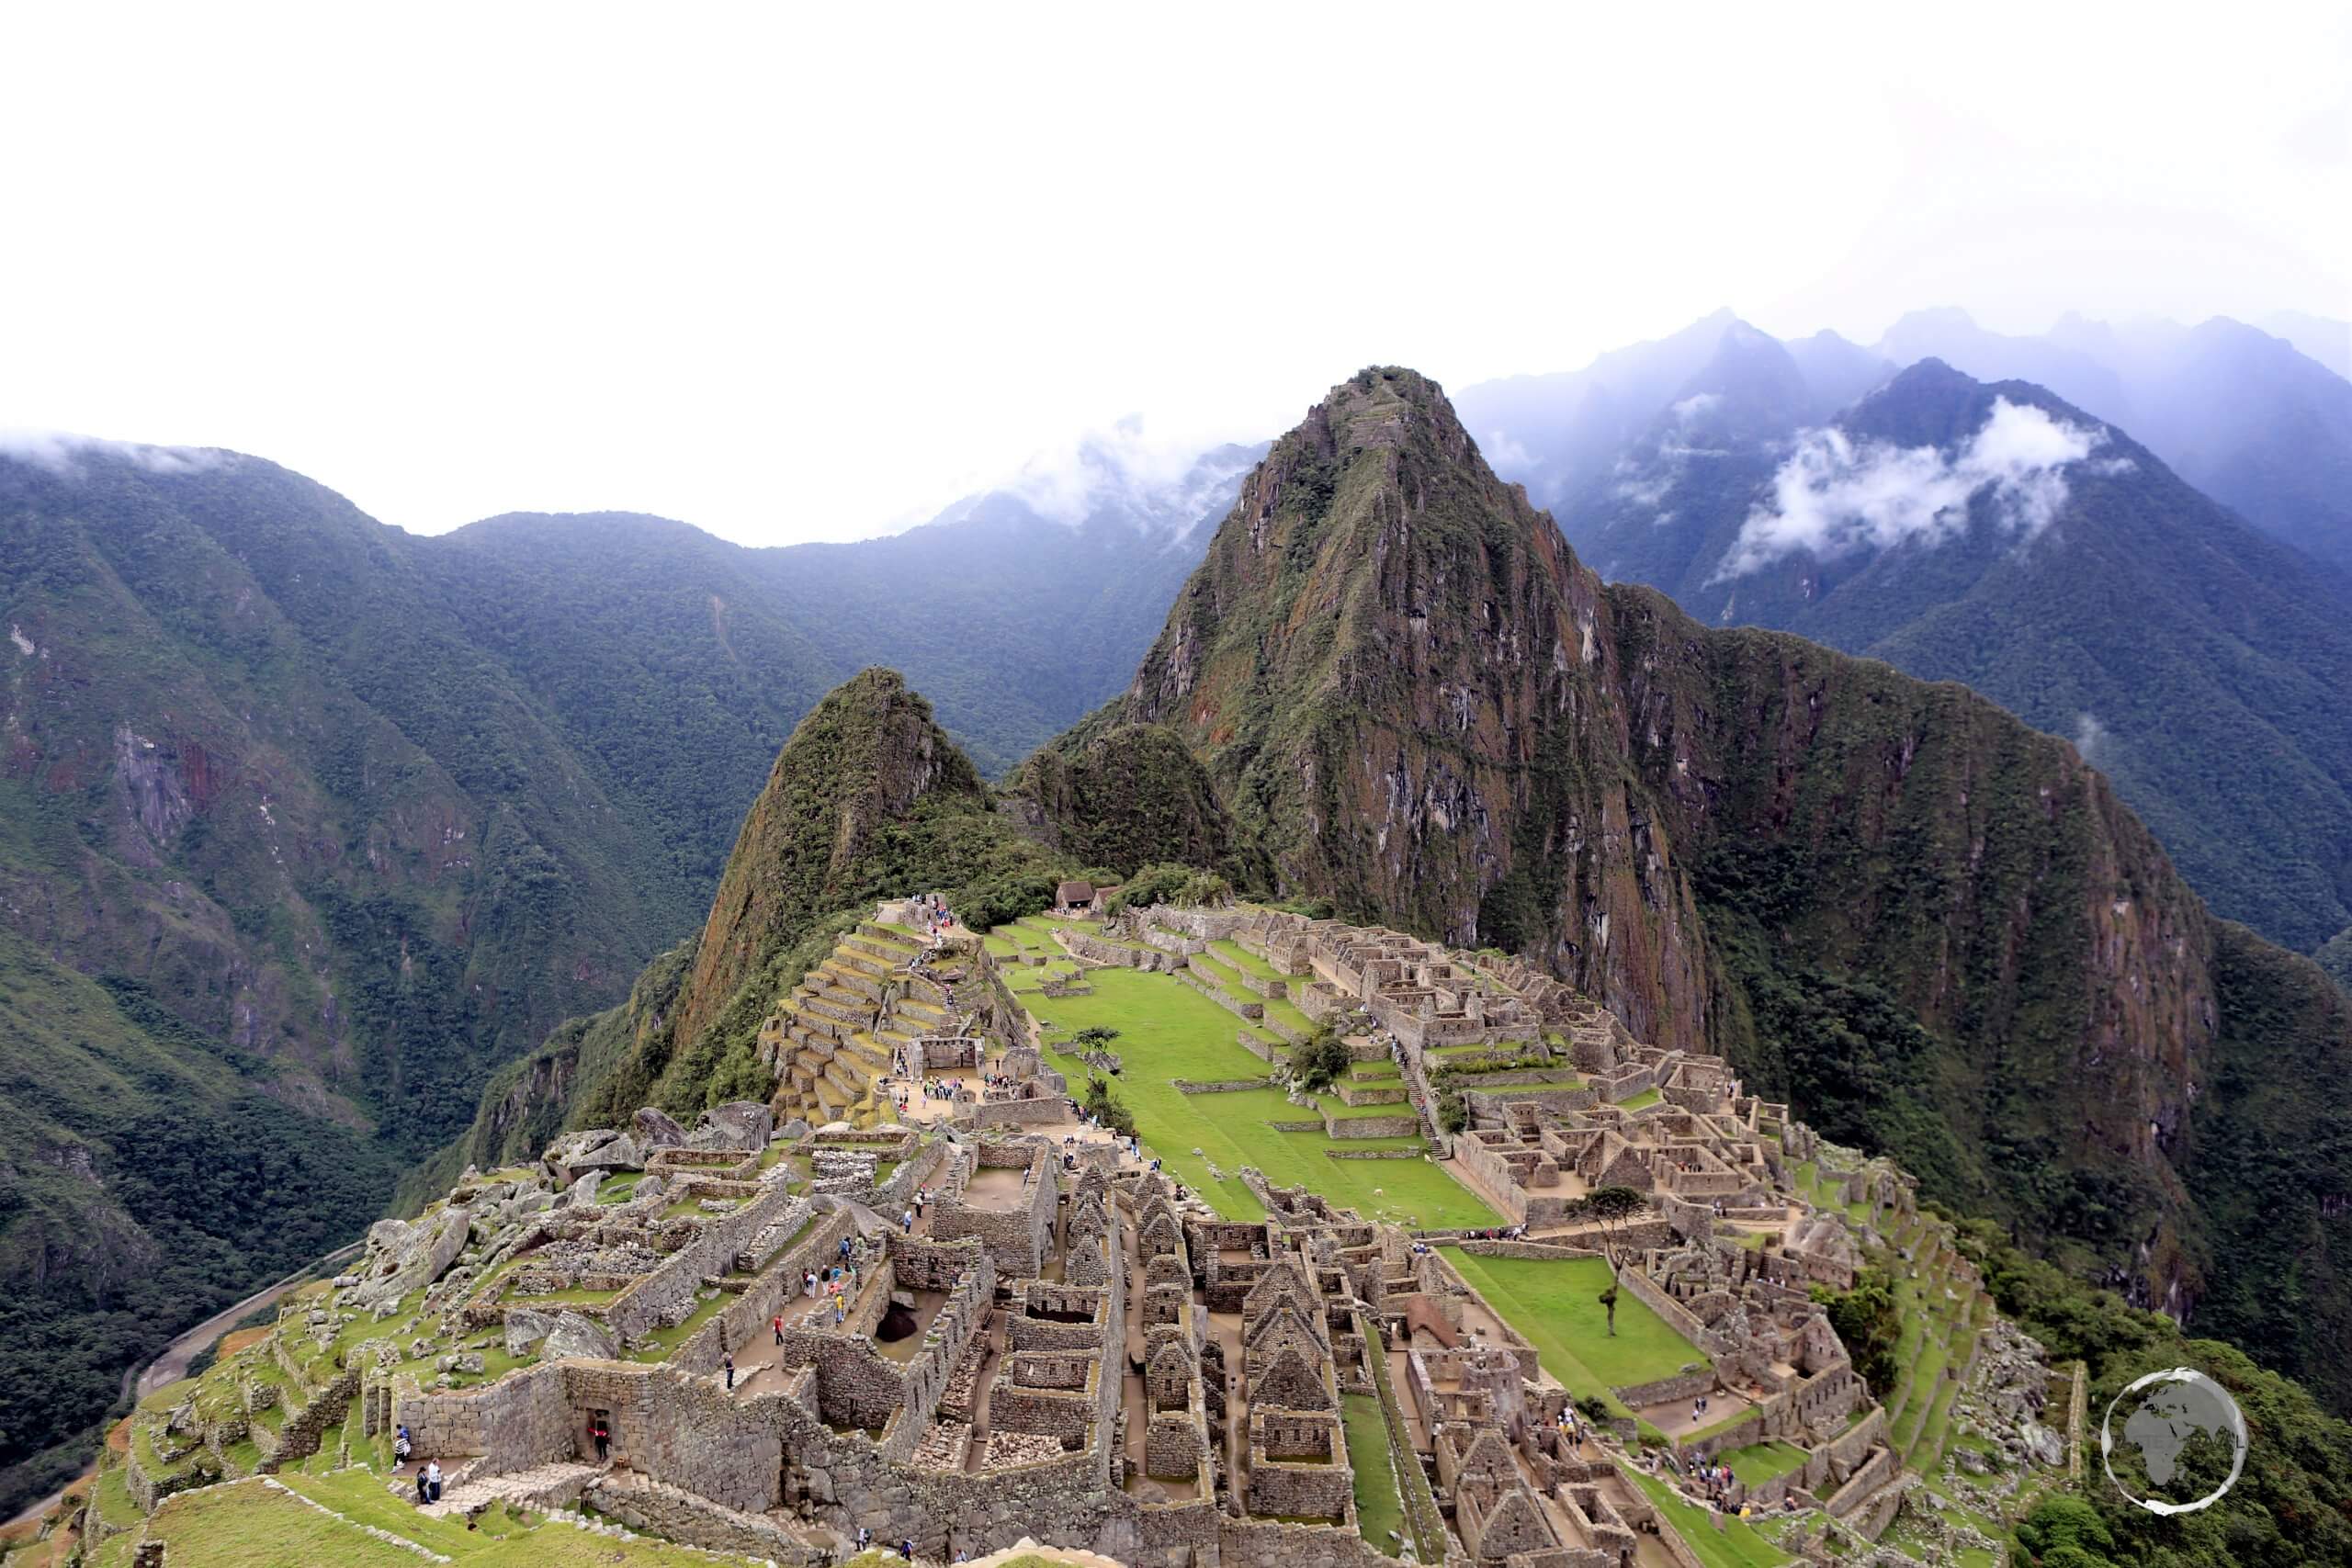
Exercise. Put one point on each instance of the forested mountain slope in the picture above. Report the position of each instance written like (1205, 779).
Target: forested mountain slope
(1997, 535)
(2045, 558)
(1934, 929)
(313, 843)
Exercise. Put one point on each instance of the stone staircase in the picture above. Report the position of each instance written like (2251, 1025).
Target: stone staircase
(832, 1039)
(541, 1488)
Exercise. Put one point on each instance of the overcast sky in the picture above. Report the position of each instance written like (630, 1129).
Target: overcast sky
(791, 275)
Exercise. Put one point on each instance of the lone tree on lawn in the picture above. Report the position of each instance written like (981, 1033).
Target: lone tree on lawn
(1613, 1209)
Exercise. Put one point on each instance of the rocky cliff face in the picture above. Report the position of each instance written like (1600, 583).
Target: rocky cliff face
(1932, 927)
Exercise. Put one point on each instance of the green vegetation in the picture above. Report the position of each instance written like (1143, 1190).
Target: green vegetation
(1170, 883)
(1106, 1108)
(1380, 1508)
(1555, 1307)
(2292, 1504)
(149, 1178)
(1871, 1325)
(1759, 1462)
(1318, 1059)
(233, 1526)
(1735, 1545)
(1167, 1031)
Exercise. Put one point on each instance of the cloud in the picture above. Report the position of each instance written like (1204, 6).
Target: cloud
(1506, 456)
(60, 453)
(1832, 495)
(1695, 405)
(1153, 481)
(2091, 738)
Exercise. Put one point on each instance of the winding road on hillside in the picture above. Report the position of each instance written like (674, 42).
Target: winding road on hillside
(171, 1363)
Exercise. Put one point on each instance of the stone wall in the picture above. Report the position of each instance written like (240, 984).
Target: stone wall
(675, 1514)
(1255, 1012)
(1645, 1290)
(519, 1421)
(1405, 1125)
(1018, 1239)
(745, 1319)
(1253, 1543)
(665, 1295)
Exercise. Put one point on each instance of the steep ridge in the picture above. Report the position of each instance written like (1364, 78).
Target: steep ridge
(867, 799)
(2242, 414)
(1934, 927)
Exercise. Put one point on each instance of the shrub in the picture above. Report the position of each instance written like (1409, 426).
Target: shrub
(1172, 884)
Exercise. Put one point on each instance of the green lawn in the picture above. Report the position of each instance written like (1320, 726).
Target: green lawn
(1554, 1305)
(1168, 1031)
(1233, 956)
(1379, 1508)
(497, 1541)
(1759, 1462)
(1735, 1545)
(1647, 1098)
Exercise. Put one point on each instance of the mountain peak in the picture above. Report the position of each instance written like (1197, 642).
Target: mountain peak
(867, 756)
(1373, 655)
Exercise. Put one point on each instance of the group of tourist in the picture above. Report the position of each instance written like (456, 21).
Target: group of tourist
(933, 912)
(428, 1474)
(836, 1281)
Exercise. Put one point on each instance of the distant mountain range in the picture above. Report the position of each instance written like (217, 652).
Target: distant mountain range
(2013, 537)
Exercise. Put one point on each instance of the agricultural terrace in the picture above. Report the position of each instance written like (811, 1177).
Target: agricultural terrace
(1168, 1031)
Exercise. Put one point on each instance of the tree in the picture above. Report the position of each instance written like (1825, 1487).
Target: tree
(1094, 1038)
(1106, 1108)
(1316, 1061)
(1869, 1323)
(1613, 1209)
(2065, 1531)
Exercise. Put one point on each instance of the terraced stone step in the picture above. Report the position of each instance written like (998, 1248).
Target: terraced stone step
(541, 1487)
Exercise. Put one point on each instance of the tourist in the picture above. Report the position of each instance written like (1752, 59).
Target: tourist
(602, 1435)
(400, 1446)
(729, 1359)
(433, 1480)
(777, 1323)
(906, 1549)
(908, 1220)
